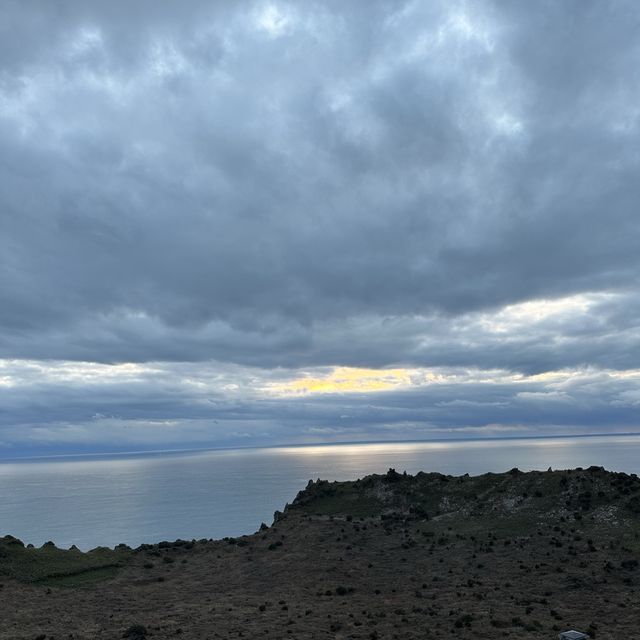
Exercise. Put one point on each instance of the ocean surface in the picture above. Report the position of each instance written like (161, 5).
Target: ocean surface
(94, 501)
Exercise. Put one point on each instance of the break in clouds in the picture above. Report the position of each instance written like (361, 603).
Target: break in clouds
(269, 222)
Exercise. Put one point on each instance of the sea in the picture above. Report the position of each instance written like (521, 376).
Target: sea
(92, 501)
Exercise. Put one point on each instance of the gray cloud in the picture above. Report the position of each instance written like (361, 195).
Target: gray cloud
(319, 184)
(61, 407)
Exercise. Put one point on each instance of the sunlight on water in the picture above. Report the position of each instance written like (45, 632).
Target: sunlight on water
(212, 494)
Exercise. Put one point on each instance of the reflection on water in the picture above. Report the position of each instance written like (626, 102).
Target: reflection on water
(212, 494)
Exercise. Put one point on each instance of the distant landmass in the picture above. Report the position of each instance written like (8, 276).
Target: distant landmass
(513, 555)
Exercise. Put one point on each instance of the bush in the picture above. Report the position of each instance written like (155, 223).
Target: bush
(135, 632)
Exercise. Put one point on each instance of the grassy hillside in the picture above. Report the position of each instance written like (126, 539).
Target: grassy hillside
(51, 566)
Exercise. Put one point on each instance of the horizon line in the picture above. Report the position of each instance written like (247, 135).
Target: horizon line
(142, 452)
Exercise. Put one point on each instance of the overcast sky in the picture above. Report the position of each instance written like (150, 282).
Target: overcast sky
(238, 223)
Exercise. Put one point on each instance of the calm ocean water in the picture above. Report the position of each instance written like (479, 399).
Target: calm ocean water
(212, 494)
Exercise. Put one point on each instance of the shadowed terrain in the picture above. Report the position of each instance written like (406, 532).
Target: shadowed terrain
(388, 556)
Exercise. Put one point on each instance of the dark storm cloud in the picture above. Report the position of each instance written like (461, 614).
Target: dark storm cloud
(317, 184)
(254, 174)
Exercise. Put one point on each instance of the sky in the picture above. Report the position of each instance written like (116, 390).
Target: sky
(251, 223)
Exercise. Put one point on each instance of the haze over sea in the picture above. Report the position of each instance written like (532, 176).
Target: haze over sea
(92, 501)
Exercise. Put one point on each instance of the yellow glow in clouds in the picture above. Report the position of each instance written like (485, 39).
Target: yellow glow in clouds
(346, 380)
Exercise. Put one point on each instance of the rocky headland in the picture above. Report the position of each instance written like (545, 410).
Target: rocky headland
(393, 556)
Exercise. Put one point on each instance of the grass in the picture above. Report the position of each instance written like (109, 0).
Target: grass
(346, 505)
(85, 578)
(51, 566)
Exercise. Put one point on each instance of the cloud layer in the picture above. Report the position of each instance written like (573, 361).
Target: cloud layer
(274, 188)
